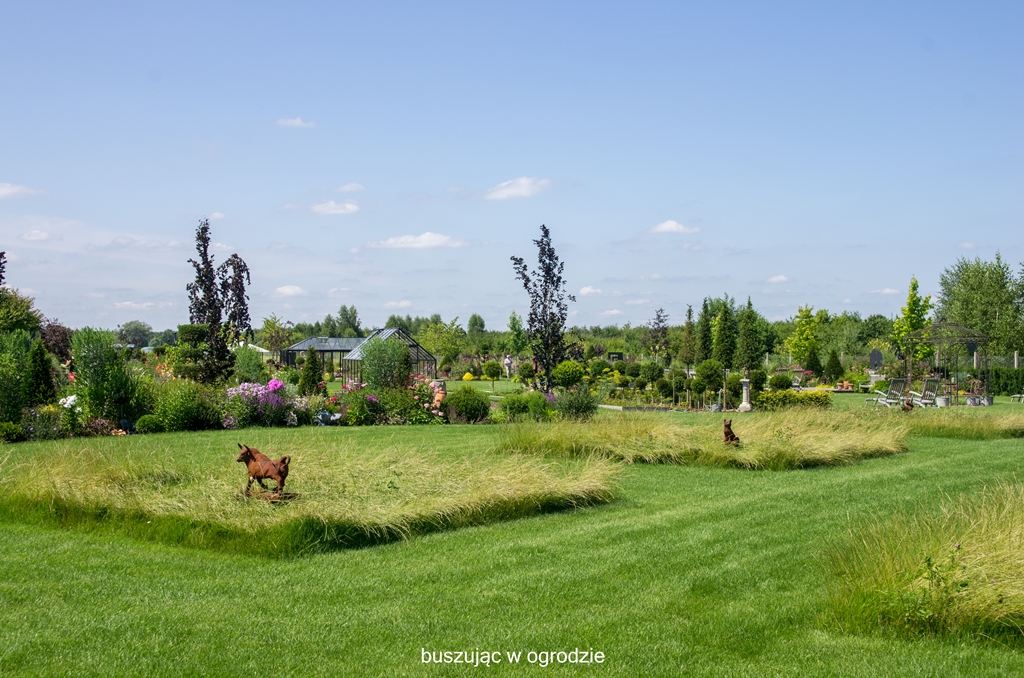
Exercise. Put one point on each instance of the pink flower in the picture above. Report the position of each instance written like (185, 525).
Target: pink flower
(415, 397)
(275, 385)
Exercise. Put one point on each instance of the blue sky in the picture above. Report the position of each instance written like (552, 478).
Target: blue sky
(393, 156)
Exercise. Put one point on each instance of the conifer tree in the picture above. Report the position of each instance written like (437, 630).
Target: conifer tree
(724, 337)
(39, 387)
(688, 349)
(813, 362)
(914, 317)
(833, 367)
(748, 347)
(312, 373)
(704, 333)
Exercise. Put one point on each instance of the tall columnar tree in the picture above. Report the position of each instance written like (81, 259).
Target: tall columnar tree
(214, 292)
(749, 346)
(548, 308)
(833, 367)
(705, 334)
(724, 337)
(39, 387)
(475, 326)
(914, 317)
(688, 342)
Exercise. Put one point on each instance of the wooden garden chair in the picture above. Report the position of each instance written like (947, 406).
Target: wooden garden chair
(894, 396)
(926, 398)
(1019, 396)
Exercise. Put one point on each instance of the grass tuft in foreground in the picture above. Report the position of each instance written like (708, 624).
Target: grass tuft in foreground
(781, 440)
(187, 489)
(957, 569)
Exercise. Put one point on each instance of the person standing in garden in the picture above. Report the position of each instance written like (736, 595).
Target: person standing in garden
(508, 365)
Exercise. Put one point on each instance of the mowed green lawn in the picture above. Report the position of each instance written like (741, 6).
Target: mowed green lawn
(693, 571)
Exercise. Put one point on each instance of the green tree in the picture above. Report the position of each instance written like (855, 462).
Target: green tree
(135, 332)
(723, 346)
(655, 335)
(914, 317)
(749, 346)
(833, 367)
(688, 342)
(444, 340)
(986, 297)
(492, 370)
(386, 363)
(14, 351)
(517, 337)
(274, 335)
(568, 373)
(312, 374)
(475, 326)
(39, 387)
(348, 322)
(711, 373)
(812, 363)
(803, 342)
(705, 334)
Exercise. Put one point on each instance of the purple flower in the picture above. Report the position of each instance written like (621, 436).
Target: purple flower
(371, 398)
(275, 385)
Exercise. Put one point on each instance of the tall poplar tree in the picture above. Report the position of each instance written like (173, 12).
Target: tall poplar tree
(724, 342)
(705, 337)
(748, 347)
(688, 349)
(914, 317)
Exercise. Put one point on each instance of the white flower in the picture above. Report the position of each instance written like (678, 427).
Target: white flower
(69, 402)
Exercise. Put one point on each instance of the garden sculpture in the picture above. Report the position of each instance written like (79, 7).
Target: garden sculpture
(730, 437)
(261, 467)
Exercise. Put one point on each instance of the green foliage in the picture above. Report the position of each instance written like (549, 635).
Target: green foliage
(986, 297)
(640, 383)
(533, 405)
(749, 347)
(108, 384)
(475, 326)
(188, 406)
(705, 333)
(803, 342)
(620, 366)
(42, 423)
(632, 370)
(444, 340)
(758, 378)
(149, 423)
(526, 372)
(312, 374)
(734, 388)
(11, 432)
(651, 372)
(711, 373)
(1006, 381)
(723, 330)
(782, 399)
(517, 337)
(781, 382)
(833, 367)
(17, 312)
(664, 387)
(14, 351)
(39, 386)
(688, 341)
(813, 363)
(598, 366)
(385, 363)
(492, 369)
(914, 317)
(290, 375)
(201, 354)
(567, 374)
(698, 385)
(466, 404)
(577, 404)
(135, 332)
(249, 366)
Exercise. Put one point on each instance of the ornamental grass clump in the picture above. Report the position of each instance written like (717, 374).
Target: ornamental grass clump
(958, 568)
(187, 489)
(964, 423)
(776, 441)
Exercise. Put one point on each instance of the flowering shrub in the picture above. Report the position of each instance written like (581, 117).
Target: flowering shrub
(71, 416)
(255, 405)
(42, 423)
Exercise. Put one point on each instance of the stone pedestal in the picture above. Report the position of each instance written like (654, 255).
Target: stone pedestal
(745, 405)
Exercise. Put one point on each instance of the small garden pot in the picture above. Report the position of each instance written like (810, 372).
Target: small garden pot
(942, 401)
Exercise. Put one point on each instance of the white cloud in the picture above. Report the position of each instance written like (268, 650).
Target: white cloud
(290, 291)
(671, 226)
(404, 303)
(885, 290)
(588, 290)
(847, 301)
(36, 235)
(216, 215)
(637, 302)
(523, 187)
(427, 240)
(778, 279)
(14, 190)
(349, 188)
(294, 122)
(134, 306)
(331, 207)
(611, 312)
(967, 245)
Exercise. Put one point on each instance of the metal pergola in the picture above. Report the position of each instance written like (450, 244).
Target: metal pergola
(961, 360)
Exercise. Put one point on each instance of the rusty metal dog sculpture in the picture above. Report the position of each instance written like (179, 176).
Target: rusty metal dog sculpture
(261, 467)
(730, 437)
